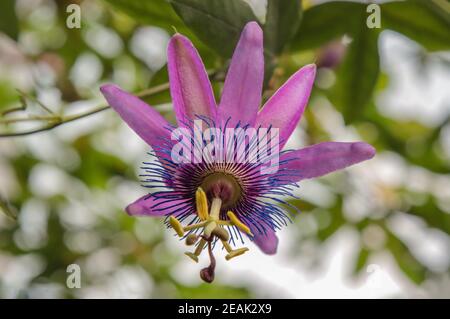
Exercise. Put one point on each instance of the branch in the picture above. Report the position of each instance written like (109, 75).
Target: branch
(56, 120)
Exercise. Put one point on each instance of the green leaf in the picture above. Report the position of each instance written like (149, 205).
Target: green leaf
(325, 22)
(410, 266)
(8, 19)
(432, 214)
(217, 23)
(337, 221)
(358, 73)
(282, 21)
(161, 14)
(7, 209)
(361, 260)
(97, 167)
(425, 21)
(154, 12)
(394, 135)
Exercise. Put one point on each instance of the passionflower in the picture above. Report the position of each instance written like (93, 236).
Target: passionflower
(221, 175)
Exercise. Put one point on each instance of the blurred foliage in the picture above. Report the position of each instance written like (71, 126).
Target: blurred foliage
(157, 13)
(421, 20)
(9, 24)
(215, 22)
(352, 91)
(295, 34)
(282, 21)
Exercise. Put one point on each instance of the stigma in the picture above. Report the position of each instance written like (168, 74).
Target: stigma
(222, 193)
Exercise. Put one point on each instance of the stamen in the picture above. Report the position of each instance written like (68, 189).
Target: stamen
(175, 223)
(238, 223)
(193, 256)
(227, 246)
(236, 252)
(197, 252)
(195, 226)
(233, 253)
(212, 226)
(200, 247)
(202, 204)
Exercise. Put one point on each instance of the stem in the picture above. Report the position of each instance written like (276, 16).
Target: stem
(29, 118)
(59, 120)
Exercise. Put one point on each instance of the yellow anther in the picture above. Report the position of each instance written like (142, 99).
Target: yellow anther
(202, 204)
(238, 223)
(193, 256)
(176, 225)
(236, 252)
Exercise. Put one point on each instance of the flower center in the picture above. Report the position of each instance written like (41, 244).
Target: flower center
(223, 186)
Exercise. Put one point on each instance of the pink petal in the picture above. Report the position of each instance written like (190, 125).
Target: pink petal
(142, 118)
(189, 83)
(150, 205)
(323, 158)
(242, 90)
(285, 108)
(267, 242)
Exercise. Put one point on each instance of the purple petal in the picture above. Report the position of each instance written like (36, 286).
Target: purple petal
(189, 83)
(267, 242)
(142, 118)
(285, 108)
(242, 90)
(149, 205)
(323, 158)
